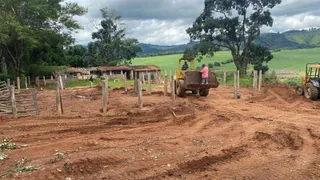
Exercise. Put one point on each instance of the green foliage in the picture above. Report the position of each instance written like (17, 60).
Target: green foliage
(33, 32)
(270, 78)
(188, 52)
(229, 24)
(42, 70)
(292, 81)
(3, 157)
(6, 144)
(210, 65)
(111, 46)
(216, 64)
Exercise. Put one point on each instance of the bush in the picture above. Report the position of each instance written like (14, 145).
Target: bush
(270, 78)
(216, 64)
(210, 65)
(227, 61)
(42, 70)
(261, 67)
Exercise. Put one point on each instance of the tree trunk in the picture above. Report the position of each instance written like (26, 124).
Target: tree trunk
(243, 69)
(4, 68)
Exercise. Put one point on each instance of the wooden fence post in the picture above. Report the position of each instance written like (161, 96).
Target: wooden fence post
(51, 78)
(255, 74)
(172, 90)
(58, 99)
(60, 82)
(238, 79)
(35, 100)
(29, 81)
(260, 80)
(26, 82)
(44, 81)
(149, 83)
(140, 101)
(37, 81)
(131, 75)
(18, 82)
(136, 82)
(143, 80)
(13, 102)
(235, 76)
(125, 82)
(105, 94)
(8, 83)
(165, 85)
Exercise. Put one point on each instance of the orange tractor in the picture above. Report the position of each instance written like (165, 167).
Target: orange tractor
(310, 87)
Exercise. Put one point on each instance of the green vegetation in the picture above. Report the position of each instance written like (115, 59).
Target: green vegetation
(6, 144)
(285, 59)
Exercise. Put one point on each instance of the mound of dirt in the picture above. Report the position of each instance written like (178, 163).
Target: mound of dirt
(280, 139)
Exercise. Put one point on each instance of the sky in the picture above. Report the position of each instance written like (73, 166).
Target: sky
(164, 22)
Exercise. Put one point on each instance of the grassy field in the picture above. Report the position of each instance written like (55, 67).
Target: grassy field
(286, 59)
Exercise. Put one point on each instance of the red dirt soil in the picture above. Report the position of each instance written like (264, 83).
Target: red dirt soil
(272, 135)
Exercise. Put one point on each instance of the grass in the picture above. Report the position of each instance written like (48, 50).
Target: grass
(285, 59)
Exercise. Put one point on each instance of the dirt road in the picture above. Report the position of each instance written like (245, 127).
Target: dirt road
(274, 135)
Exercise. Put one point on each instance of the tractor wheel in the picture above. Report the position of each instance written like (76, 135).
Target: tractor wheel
(311, 92)
(181, 92)
(204, 92)
(300, 91)
(194, 92)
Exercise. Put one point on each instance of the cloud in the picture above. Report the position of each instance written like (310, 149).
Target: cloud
(166, 21)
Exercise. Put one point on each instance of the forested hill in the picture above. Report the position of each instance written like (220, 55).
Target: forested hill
(291, 39)
(288, 40)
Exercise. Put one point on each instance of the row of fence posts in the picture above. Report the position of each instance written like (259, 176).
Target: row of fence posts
(138, 88)
(14, 102)
(27, 82)
(257, 82)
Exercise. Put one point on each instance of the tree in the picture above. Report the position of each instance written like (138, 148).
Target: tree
(75, 56)
(29, 23)
(111, 46)
(233, 24)
(259, 55)
(188, 53)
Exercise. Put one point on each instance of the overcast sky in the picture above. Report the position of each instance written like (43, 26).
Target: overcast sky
(165, 21)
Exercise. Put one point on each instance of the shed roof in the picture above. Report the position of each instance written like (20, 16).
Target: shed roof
(76, 70)
(128, 68)
(114, 68)
(146, 68)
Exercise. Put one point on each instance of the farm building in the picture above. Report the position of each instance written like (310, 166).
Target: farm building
(94, 72)
(118, 71)
(76, 73)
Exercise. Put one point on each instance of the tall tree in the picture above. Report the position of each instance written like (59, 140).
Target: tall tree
(233, 24)
(111, 46)
(31, 22)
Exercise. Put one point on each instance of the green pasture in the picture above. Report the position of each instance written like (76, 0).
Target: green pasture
(285, 59)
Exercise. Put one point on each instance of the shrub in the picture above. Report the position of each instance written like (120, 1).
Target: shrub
(216, 64)
(210, 65)
(270, 78)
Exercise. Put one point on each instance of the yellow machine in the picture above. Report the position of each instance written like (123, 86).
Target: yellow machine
(310, 82)
(190, 80)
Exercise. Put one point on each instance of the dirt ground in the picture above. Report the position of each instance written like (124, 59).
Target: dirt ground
(272, 135)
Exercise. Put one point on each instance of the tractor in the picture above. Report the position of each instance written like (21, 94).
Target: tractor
(190, 80)
(310, 87)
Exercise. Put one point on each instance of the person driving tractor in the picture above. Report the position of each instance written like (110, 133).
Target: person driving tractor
(185, 66)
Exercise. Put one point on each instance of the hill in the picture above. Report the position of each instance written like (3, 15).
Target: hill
(296, 39)
(151, 48)
(291, 39)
